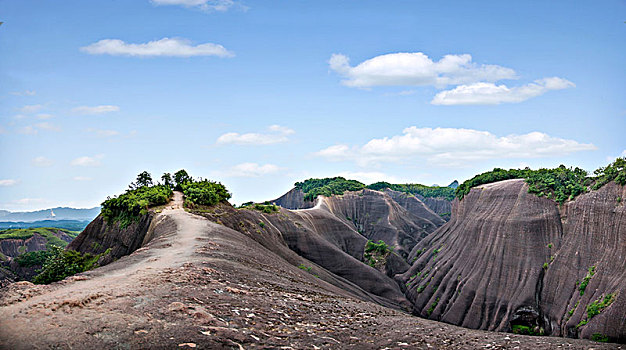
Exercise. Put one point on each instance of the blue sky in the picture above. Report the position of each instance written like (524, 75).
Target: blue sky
(261, 94)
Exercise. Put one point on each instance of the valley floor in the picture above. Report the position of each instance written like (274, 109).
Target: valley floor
(200, 285)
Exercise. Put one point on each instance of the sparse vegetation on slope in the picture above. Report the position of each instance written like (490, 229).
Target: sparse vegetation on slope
(560, 184)
(62, 263)
(327, 187)
(425, 191)
(46, 232)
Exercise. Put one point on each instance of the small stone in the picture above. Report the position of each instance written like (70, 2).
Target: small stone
(190, 345)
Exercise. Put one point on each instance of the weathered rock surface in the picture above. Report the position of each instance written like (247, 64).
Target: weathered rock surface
(293, 199)
(200, 284)
(15, 247)
(485, 268)
(100, 235)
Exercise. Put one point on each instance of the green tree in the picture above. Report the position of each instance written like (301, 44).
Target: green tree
(143, 179)
(167, 180)
(180, 178)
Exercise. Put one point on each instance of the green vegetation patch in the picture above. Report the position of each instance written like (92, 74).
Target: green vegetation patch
(432, 307)
(597, 306)
(205, 192)
(586, 279)
(313, 188)
(521, 329)
(36, 258)
(560, 184)
(130, 206)
(376, 253)
(266, 207)
(423, 190)
(599, 337)
(63, 263)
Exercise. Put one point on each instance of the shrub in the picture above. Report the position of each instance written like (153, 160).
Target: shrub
(36, 258)
(205, 192)
(521, 329)
(130, 206)
(423, 190)
(62, 263)
(545, 266)
(597, 306)
(313, 188)
(560, 184)
(586, 279)
(599, 337)
(381, 247)
(432, 307)
(266, 208)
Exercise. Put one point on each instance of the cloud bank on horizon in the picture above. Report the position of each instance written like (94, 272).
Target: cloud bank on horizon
(474, 83)
(453, 147)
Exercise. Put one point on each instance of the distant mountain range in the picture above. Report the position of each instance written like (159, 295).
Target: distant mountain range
(58, 213)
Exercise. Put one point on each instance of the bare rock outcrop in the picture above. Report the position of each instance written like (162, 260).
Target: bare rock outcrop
(100, 236)
(509, 259)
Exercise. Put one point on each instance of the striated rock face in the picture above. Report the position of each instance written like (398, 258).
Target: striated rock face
(417, 207)
(441, 206)
(316, 239)
(293, 199)
(485, 268)
(594, 236)
(99, 236)
(377, 216)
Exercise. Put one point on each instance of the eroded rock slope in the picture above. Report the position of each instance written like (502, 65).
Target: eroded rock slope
(508, 259)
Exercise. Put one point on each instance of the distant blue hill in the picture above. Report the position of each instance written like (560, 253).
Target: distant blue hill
(71, 225)
(58, 213)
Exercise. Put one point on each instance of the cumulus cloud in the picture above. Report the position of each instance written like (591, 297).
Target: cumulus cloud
(252, 170)
(41, 162)
(44, 116)
(369, 177)
(87, 161)
(104, 132)
(205, 5)
(34, 129)
(492, 94)
(47, 126)
(30, 109)
(416, 69)
(95, 109)
(276, 134)
(24, 93)
(171, 47)
(453, 147)
(8, 182)
(27, 130)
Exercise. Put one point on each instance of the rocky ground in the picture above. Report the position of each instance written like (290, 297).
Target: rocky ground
(200, 285)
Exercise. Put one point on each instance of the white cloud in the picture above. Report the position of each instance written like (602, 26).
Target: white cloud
(370, 177)
(252, 170)
(82, 178)
(30, 201)
(41, 162)
(44, 116)
(103, 132)
(95, 109)
(27, 130)
(24, 93)
(416, 69)
(47, 126)
(8, 182)
(30, 109)
(453, 147)
(277, 134)
(172, 47)
(34, 129)
(205, 5)
(87, 161)
(491, 94)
